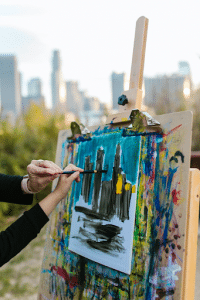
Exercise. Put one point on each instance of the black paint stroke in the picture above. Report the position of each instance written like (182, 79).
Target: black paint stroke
(163, 293)
(105, 238)
(91, 214)
(174, 157)
(125, 202)
(179, 153)
(97, 179)
(87, 178)
(104, 206)
(116, 172)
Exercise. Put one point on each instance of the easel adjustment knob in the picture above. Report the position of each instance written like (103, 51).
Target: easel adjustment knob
(122, 100)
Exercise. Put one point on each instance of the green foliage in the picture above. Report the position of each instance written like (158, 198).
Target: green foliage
(34, 137)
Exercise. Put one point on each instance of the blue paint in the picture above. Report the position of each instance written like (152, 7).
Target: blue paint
(46, 271)
(130, 157)
(169, 182)
(63, 154)
(130, 149)
(157, 184)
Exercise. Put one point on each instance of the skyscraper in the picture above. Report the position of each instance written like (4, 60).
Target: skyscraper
(74, 99)
(169, 90)
(34, 94)
(118, 82)
(34, 87)
(9, 85)
(57, 85)
(184, 68)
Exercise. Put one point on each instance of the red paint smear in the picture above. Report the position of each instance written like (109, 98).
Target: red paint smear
(175, 195)
(171, 131)
(151, 179)
(152, 174)
(173, 256)
(72, 281)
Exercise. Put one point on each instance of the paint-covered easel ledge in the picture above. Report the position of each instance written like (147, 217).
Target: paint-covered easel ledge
(137, 123)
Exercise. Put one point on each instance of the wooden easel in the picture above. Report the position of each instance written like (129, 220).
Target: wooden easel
(134, 95)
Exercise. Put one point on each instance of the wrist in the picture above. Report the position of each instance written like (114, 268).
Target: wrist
(25, 185)
(29, 187)
(56, 195)
(49, 203)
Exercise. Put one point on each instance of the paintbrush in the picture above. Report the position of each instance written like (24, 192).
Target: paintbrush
(85, 172)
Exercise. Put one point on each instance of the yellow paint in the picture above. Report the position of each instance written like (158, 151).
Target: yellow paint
(133, 189)
(149, 221)
(124, 119)
(65, 216)
(127, 187)
(119, 184)
(67, 230)
(123, 294)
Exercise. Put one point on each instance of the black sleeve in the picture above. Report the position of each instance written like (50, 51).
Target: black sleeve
(21, 232)
(11, 192)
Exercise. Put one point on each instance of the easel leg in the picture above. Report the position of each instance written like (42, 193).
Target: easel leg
(189, 271)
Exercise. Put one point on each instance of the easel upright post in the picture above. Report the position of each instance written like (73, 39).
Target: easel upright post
(134, 94)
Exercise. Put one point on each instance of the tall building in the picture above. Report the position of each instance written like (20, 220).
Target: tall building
(10, 85)
(74, 99)
(91, 104)
(184, 68)
(169, 90)
(57, 84)
(34, 94)
(118, 83)
(35, 88)
(93, 110)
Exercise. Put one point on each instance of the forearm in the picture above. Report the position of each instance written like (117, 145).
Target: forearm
(11, 192)
(49, 203)
(21, 232)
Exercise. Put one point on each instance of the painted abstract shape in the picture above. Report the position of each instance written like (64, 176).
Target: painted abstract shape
(87, 179)
(97, 179)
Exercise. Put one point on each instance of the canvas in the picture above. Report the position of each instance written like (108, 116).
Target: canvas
(104, 204)
(159, 227)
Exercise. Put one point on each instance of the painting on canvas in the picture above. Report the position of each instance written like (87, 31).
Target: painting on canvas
(104, 212)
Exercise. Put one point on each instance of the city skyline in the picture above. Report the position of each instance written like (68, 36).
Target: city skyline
(67, 96)
(90, 51)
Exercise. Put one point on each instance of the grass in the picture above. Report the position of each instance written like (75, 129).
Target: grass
(20, 276)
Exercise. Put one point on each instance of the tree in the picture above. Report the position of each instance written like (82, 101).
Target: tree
(34, 137)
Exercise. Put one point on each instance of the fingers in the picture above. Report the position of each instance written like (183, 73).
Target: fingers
(71, 167)
(35, 170)
(45, 167)
(48, 164)
(74, 176)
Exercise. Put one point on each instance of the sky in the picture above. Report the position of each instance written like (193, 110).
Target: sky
(96, 37)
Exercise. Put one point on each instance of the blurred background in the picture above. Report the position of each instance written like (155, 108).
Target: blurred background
(64, 61)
